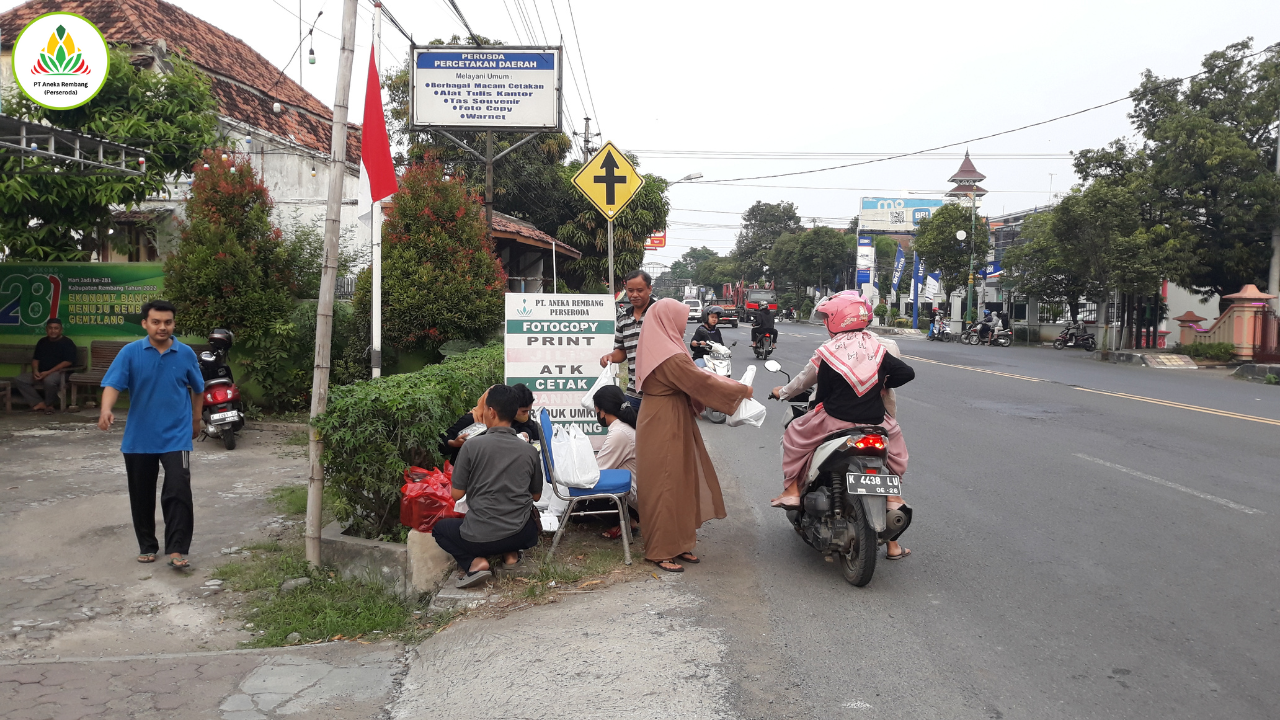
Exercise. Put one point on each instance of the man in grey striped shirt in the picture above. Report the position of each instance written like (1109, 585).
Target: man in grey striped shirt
(626, 334)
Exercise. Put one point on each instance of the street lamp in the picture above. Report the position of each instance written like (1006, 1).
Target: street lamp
(687, 178)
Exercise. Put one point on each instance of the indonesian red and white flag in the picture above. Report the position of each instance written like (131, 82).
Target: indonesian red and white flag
(375, 147)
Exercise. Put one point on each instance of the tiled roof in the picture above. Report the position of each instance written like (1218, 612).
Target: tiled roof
(964, 190)
(244, 82)
(967, 171)
(530, 235)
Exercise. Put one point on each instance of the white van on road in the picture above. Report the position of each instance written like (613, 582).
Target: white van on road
(695, 310)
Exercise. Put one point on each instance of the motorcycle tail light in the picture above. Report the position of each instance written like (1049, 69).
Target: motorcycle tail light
(870, 442)
(221, 394)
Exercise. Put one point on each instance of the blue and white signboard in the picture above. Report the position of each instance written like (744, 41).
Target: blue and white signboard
(501, 88)
(897, 215)
(866, 258)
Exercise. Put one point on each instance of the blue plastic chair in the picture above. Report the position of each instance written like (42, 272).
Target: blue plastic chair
(614, 485)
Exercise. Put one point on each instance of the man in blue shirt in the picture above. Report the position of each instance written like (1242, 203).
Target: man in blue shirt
(166, 395)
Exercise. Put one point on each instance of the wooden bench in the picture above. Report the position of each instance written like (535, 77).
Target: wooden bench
(101, 355)
(21, 355)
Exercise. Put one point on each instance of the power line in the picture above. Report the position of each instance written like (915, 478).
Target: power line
(754, 155)
(544, 27)
(465, 24)
(1130, 96)
(577, 40)
(514, 29)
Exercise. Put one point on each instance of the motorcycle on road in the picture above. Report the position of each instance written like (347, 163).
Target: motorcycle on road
(843, 510)
(718, 362)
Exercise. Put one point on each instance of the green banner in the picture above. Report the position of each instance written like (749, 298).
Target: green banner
(559, 327)
(103, 299)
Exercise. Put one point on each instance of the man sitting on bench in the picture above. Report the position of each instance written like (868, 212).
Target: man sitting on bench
(50, 362)
(501, 475)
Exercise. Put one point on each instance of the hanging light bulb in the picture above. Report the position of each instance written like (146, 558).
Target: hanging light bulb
(233, 169)
(206, 166)
(275, 107)
(248, 140)
(224, 157)
(142, 161)
(311, 56)
(313, 171)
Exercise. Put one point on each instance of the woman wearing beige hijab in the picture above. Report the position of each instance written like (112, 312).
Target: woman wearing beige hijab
(676, 485)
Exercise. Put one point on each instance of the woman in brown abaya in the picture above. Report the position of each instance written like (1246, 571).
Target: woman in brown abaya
(676, 485)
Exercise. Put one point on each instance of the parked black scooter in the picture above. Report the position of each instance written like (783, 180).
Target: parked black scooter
(843, 511)
(223, 413)
(1082, 340)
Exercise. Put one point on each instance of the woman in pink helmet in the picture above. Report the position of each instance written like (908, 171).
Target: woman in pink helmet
(851, 371)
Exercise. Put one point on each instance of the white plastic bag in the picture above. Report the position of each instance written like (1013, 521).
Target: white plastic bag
(575, 461)
(460, 505)
(749, 376)
(749, 412)
(607, 377)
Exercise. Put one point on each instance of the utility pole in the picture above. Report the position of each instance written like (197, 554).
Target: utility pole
(586, 136)
(329, 275)
(375, 226)
(1273, 277)
(973, 228)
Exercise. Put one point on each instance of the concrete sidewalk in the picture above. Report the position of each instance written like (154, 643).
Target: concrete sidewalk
(335, 681)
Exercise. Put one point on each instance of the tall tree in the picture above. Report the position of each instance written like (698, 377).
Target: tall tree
(762, 224)
(809, 257)
(53, 216)
(942, 253)
(1043, 267)
(1204, 173)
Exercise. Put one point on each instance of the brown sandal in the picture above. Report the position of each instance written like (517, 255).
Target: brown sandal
(688, 557)
(675, 568)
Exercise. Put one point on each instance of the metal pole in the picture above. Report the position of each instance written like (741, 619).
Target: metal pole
(488, 182)
(973, 227)
(375, 225)
(610, 258)
(915, 290)
(1273, 277)
(329, 275)
(555, 284)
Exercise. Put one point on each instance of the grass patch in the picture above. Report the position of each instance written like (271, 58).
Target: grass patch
(290, 499)
(326, 608)
(298, 438)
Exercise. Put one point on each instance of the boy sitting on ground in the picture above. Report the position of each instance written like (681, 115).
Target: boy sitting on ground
(501, 475)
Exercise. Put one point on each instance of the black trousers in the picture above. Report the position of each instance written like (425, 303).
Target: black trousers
(448, 535)
(757, 333)
(175, 500)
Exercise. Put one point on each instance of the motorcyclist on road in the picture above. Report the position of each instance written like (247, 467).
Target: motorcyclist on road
(707, 333)
(1075, 330)
(988, 323)
(853, 372)
(763, 323)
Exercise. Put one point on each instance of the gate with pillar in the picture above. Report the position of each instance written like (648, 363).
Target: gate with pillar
(1249, 325)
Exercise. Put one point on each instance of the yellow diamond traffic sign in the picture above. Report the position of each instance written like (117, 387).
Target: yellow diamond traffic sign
(609, 180)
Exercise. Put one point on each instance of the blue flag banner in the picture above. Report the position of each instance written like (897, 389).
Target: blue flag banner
(899, 262)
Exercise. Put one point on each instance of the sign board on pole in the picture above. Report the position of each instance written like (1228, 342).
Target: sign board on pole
(553, 345)
(102, 299)
(866, 258)
(498, 88)
(656, 241)
(609, 180)
(899, 215)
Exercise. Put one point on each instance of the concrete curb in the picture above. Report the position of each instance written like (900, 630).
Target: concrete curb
(275, 426)
(1163, 361)
(1254, 372)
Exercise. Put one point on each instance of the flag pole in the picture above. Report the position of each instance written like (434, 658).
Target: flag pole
(375, 226)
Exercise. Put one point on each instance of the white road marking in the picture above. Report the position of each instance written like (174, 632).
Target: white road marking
(1175, 486)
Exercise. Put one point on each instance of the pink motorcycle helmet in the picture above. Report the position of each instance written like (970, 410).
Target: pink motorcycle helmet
(844, 312)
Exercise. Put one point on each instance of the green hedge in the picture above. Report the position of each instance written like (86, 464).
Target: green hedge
(374, 429)
(1221, 351)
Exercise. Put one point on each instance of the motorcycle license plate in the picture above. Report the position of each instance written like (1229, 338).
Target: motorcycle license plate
(864, 484)
(228, 416)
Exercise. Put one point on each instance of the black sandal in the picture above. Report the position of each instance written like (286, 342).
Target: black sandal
(662, 563)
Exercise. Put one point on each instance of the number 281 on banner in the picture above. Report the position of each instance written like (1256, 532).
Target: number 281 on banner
(656, 241)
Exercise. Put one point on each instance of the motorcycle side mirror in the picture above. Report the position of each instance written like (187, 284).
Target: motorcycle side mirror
(733, 344)
(772, 365)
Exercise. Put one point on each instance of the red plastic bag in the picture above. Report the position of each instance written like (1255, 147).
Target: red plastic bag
(427, 496)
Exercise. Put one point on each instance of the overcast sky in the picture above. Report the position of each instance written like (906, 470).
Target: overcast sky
(728, 78)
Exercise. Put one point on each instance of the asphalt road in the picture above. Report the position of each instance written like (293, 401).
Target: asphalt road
(1090, 541)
